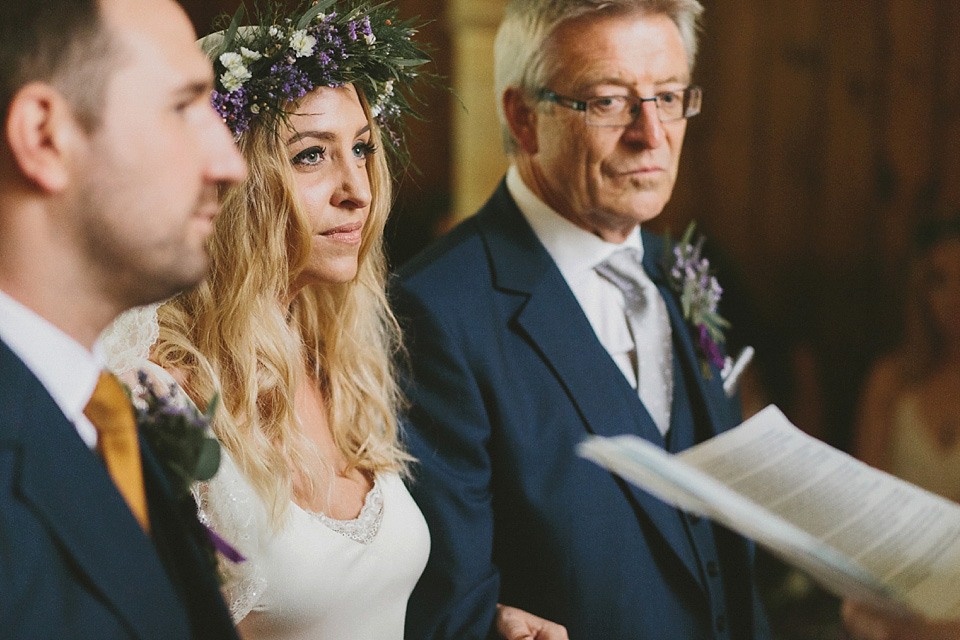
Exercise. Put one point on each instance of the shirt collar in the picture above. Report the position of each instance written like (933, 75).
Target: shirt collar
(576, 251)
(62, 365)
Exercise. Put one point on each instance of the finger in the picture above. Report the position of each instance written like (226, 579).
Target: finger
(511, 626)
(552, 631)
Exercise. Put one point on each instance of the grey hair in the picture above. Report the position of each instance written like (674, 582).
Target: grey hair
(518, 58)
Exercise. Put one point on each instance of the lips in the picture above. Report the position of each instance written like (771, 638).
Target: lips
(640, 171)
(346, 233)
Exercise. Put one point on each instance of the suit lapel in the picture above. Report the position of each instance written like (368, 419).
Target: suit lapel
(557, 328)
(69, 490)
(555, 323)
(176, 535)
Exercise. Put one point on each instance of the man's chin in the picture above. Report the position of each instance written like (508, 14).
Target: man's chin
(186, 277)
(639, 209)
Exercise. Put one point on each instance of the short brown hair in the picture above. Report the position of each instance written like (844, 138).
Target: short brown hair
(61, 42)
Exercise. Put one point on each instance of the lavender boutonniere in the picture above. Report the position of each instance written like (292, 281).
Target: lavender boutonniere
(179, 436)
(690, 277)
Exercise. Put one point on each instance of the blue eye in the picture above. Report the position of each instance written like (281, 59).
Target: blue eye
(309, 157)
(363, 149)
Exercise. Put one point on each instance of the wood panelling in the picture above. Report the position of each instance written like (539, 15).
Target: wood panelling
(829, 129)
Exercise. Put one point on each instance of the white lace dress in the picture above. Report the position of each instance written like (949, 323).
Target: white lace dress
(317, 578)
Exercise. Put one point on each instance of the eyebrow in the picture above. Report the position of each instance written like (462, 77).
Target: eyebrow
(588, 83)
(323, 135)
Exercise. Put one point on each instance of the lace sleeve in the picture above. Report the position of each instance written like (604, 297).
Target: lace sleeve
(126, 347)
(126, 342)
(228, 505)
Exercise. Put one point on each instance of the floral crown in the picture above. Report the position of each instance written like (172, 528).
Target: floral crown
(260, 69)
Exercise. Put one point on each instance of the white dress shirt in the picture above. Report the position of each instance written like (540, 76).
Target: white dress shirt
(577, 252)
(64, 367)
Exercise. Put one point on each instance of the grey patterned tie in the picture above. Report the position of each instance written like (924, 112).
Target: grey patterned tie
(650, 326)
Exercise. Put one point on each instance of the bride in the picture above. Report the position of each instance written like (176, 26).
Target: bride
(292, 329)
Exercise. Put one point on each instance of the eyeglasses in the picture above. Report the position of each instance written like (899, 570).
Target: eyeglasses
(619, 111)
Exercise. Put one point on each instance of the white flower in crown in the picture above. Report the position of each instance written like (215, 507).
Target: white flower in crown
(233, 79)
(247, 54)
(232, 61)
(302, 43)
(375, 110)
(388, 88)
(370, 38)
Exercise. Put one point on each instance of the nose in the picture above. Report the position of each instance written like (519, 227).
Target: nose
(353, 190)
(646, 130)
(224, 162)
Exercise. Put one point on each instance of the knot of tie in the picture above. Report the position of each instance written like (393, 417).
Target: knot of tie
(650, 327)
(625, 271)
(111, 413)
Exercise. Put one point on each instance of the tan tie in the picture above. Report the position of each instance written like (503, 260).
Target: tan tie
(111, 413)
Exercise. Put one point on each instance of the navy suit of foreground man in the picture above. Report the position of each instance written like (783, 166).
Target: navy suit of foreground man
(110, 160)
(519, 349)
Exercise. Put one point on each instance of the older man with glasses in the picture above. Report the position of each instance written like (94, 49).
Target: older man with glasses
(549, 316)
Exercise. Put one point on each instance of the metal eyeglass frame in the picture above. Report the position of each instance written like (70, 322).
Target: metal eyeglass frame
(693, 100)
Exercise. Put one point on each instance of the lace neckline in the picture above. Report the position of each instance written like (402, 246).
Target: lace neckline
(364, 527)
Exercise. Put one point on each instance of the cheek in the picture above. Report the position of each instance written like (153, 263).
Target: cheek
(675, 145)
(314, 197)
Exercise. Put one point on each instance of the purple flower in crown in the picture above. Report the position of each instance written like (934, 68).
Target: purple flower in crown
(261, 68)
(234, 108)
(690, 277)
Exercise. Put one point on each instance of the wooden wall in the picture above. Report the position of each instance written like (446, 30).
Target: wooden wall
(829, 128)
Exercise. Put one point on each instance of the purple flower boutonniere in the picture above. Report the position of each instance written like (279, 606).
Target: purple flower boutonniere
(689, 275)
(179, 436)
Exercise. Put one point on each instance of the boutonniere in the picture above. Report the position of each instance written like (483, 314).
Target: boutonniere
(689, 275)
(179, 436)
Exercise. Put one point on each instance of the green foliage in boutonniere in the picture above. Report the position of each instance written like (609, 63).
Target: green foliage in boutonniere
(691, 278)
(179, 436)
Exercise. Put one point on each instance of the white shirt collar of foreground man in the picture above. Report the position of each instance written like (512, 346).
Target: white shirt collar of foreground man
(64, 367)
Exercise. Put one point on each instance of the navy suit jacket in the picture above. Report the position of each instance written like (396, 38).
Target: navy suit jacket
(507, 377)
(74, 562)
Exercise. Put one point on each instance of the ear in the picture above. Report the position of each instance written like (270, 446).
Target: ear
(521, 118)
(41, 131)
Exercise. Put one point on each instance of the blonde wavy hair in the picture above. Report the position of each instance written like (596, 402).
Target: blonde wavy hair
(236, 336)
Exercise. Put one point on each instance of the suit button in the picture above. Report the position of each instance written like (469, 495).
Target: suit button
(713, 569)
(721, 623)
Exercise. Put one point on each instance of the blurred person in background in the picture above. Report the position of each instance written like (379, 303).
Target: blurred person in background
(909, 420)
